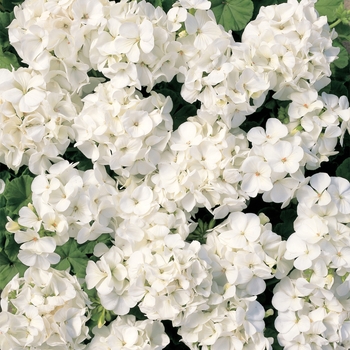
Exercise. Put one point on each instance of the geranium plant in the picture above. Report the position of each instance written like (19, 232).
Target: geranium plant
(174, 175)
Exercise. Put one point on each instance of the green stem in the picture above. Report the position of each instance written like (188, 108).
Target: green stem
(335, 23)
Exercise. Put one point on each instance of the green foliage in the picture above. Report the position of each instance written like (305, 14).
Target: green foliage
(8, 5)
(233, 14)
(286, 228)
(18, 193)
(200, 233)
(75, 256)
(5, 20)
(343, 57)
(72, 258)
(328, 8)
(8, 59)
(9, 268)
(343, 169)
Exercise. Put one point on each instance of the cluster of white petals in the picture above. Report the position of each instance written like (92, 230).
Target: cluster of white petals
(125, 333)
(35, 120)
(54, 37)
(242, 253)
(119, 128)
(313, 301)
(201, 168)
(43, 310)
(307, 136)
(66, 203)
(293, 45)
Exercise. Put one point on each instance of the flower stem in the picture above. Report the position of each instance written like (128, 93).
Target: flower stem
(335, 23)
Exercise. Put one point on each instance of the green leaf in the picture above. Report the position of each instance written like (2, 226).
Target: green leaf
(343, 169)
(5, 175)
(9, 269)
(8, 60)
(8, 5)
(233, 14)
(338, 88)
(343, 32)
(182, 114)
(11, 247)
(328, 8)
(88, 247)
(18, 193)
(5, 19)
(167, 4)
(286, 228)
(72, 257)
(343, 57)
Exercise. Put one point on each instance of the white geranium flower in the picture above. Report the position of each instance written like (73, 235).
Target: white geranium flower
(303, 103)
(137, 123)
(195, 4)
(28, 218)
(311, 230)
(339, 190)
(245, 228)
(176, 16)
(139, 202)
(26, 91)
(316, 192)
(286, 297)
(133, 37)
(51, 311)
(304, 253)
(126, 333)
(283, 156)
(35, 250)
(203, 27)
(257, 176)
(275, 131)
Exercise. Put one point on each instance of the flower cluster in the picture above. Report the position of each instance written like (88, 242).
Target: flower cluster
(293, 45)
(242, 253)
(66, 203)
(125, 333)
(120, 128)
(43, 309)
(313, 301)
(35, 119)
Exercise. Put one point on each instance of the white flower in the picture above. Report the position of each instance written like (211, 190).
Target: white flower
(304, 253)
(50, 310)
(139, 202)
(137, 123)
(35, 250)
(291, 324)
(339, 190)
(195, 4)
(257, 176)
(287, 297)
(134, 37)
(316, 193)
(176, 16)
(283, 156)
(275, 131)
(245, 228)
(126, 333)
(27, 90)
